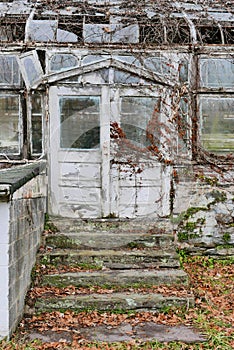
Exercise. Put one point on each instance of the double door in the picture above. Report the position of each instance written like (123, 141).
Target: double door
(101, 160)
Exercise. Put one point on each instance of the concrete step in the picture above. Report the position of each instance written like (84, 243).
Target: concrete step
(113, 225)
(116, 278)
(113, 302)
(109, 240)
(113, 259)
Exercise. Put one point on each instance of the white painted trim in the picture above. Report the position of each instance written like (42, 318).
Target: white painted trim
(108, 63)
(4, 269)
(105, 150)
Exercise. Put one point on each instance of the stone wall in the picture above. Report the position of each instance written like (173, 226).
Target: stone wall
(203, 213)
(22, 222)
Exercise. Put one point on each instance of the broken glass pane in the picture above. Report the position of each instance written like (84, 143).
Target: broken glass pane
(31, 69)
(61, 61)
(36, 122)
(138, 120)
(9, 70)
(217, 124)
(64, 36)
(80, 122)
(209, 34)
(9, 124)
(218, 72)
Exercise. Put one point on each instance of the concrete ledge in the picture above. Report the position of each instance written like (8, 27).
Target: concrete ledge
(13, 178)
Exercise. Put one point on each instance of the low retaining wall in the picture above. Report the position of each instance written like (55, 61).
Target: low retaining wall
(203, 214)
(22, 211)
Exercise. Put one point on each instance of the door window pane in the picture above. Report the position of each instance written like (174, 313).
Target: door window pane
(138, 119)
(80, 126)
(217, 124)
(36, 120)
(9, 124)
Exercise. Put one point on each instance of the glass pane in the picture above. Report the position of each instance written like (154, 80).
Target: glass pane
(32, 73)
(129, 59)
(9, 70)
(217, 73)
(182, 125)
(217, 124)
(63, 61)
(36, 118)
(137, 113)
(80, 122)
(93, 58)
(9, 124)
(159, 65)
(183, 71)
(125, 78)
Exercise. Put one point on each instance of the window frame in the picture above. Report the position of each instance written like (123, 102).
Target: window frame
(210, 92)
(11, 86)
(17, 155)
(30, 122)
(36, 64)
(221, 151)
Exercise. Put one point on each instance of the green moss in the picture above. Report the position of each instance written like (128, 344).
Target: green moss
(226, 237)
(63, 242)
(212, 181)
(49, 226)
(224, 246)
(187, 229)
(193, 210)
(218, 196)
(190, 226)
(185, 236)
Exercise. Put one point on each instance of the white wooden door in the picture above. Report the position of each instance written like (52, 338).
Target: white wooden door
(94, 172)
(77, 151)
(140, 183)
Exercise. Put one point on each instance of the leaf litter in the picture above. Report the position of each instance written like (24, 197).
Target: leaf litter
(211, 282)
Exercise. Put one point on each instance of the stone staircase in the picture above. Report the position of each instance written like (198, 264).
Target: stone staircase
(129, 261)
